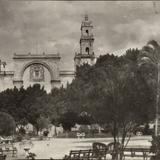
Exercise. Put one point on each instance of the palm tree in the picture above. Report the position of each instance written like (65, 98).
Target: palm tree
(150, 54)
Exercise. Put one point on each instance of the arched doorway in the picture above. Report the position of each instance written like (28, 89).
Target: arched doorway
(37, 73)
(31, 69)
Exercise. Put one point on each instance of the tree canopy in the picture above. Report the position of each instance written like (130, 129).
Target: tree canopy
(114, 92)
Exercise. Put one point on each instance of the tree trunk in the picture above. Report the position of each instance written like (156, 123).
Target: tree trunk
(122, 145)
(55, 130)
(115, 149)
(121, 155)
(157, 101)
(37, 130)
(67, 134)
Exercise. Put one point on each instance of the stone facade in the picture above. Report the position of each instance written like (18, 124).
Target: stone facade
(44, 69)
(86, 54)
(49, 61)
(28, 65)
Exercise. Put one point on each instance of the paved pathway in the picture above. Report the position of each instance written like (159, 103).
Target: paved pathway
(57, 147)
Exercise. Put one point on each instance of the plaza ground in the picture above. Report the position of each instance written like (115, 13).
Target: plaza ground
(58, 147)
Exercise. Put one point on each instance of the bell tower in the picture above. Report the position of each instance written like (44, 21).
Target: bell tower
(86, 54)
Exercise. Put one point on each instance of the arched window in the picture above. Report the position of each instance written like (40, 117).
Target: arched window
(87, 50)
(87, 32)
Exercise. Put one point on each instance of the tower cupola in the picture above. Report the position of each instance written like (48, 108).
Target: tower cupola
(87, 39)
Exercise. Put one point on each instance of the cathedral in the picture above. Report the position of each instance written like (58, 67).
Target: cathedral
(43, 69)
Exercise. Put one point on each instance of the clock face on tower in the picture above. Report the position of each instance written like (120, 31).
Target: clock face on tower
(36, 73)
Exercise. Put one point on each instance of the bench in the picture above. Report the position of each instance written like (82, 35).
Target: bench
(14, 151)
(132, 152)
(98, 151)
(144, 153)
(8, 150)
(78, 154)
(112, 148)
(2, 157)
(86, 155)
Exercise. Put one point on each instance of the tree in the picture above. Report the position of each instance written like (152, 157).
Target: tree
(43, 123)
(84, 118)
(11, 102)
(120, 97)
(29, 105)
(115, 93)
(33, 108)
(58, 107)
(150, 56)
(68, 120)
(7, 124)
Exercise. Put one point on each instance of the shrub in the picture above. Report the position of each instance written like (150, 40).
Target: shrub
(84, 128)
(22, 131)
(40, 138)
(7, 124)
(18, 138)
(31, 156)
(45, 133)
(32, 134)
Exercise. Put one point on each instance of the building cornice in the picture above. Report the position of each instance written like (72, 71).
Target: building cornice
(6, 73)
(36, 56)
(84, 56)
(67, 73)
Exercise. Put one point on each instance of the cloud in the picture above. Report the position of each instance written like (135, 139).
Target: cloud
(54, 26)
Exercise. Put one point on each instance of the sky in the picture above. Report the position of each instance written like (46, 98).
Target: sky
(54, 27)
